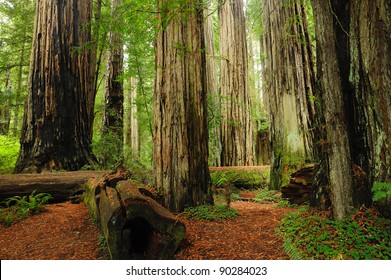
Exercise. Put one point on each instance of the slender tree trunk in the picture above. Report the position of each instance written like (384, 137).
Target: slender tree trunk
(336, 155)
(57, 125)
(112, 129)
(15, 126)
(288, 84)
(214, 100)
(180, 116)
(5, 108)
(132, 137)
(236, 124)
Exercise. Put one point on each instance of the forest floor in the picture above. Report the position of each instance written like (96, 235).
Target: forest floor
(66, 231)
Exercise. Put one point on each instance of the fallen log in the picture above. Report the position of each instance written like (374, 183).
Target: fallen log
(134, 225)
(61, 185)
(298, 190)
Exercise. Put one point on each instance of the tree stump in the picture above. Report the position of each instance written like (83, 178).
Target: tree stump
(299, 188)
(135, 226)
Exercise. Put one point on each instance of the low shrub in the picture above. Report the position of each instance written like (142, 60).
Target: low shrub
(314, 235)
(18, 208)
(210, 213)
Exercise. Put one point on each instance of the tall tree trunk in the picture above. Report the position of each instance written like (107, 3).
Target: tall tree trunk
(236, 124)
(5, 107)
(288, 84)
(370, 106)
(336, 161)
(132, 137)
(214, 100)
(57, 124)
(180, 108)
(112, 129)
(15, 126)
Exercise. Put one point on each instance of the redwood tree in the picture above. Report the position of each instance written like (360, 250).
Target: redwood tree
(354, 81)
(288, 78)
(57, 123)
(236, 123)
(180, 112)
(112, 129)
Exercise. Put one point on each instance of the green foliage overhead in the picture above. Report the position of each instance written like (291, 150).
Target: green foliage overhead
(366, 235)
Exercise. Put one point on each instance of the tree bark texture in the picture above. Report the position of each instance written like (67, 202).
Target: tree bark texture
(132, 136)
(5, 107)
(180, 108)
(334, 127)
(57, 122)
(236, 124)
(370, 106)
(288, 84)
(354, 62)
(114, 91)
(214, 100)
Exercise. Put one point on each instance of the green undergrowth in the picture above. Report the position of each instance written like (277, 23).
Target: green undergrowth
(17, 208)
(242, 179)
(210, 213)
(9, 149)
(314, 235)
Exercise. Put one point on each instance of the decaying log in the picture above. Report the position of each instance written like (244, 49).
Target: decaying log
(61, 185)
(298, 190)
(134, 224)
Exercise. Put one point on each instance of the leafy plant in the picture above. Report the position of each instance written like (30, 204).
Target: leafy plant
(210, 213)
(313, 235)
(381, 190)
(266, 196)
(18, 207)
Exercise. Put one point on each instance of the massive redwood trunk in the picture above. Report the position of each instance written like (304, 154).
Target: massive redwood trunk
(57, 124)
(288, 84)
(180, 112)
(236, 123)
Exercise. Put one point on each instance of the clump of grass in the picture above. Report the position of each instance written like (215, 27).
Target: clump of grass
(314, 235)
(18, 208)
(210, 213)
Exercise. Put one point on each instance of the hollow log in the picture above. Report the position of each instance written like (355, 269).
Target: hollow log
(299, 188)
(135, 226)
(61, 185)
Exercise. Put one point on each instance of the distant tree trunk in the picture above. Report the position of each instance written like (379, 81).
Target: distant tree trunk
(288, 84)
(370, 106)
(236, 124)
(336, 163)
(5, 107)
(15, 126)
(96, 59)
(112, 129)
(180, 108)
(132, 137)
(57, 126)
(214, 99)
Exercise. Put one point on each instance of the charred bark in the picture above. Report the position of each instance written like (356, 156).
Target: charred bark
(57, 126)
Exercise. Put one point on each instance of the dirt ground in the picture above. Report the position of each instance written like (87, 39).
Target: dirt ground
(65, 231)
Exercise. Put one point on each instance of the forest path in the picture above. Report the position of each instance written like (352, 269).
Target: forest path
(250, 236)
(66, 231)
